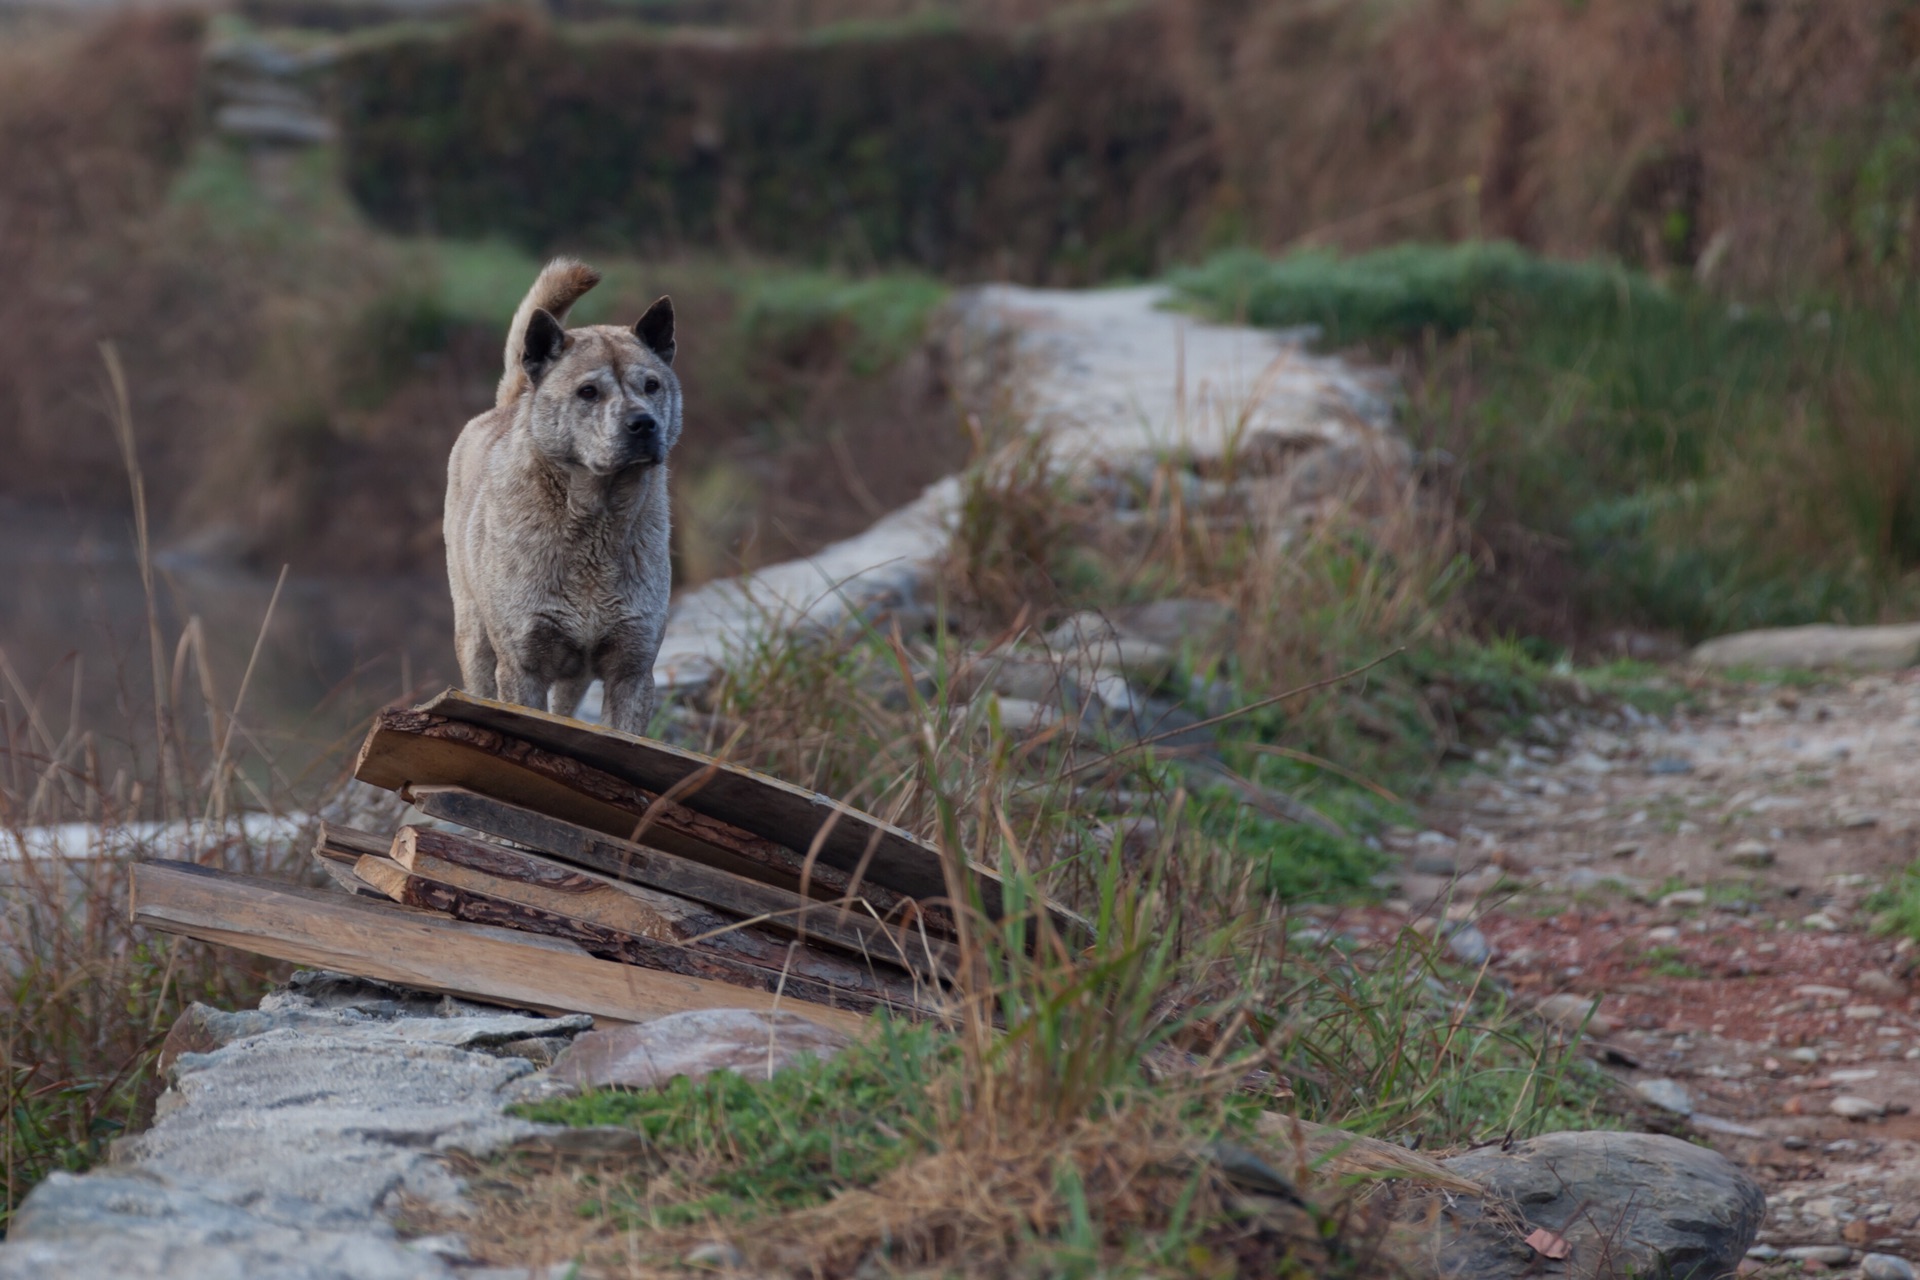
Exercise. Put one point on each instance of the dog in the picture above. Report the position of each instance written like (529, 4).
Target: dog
(556, 520)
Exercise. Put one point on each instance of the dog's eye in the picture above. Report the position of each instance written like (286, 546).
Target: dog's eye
(653, 385)
(589, 392)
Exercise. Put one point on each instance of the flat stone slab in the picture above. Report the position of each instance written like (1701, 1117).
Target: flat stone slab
(696, 1044)
(287, 1133)
(1815, 648)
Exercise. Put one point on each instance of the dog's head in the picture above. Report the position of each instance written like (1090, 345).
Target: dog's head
(604, 399)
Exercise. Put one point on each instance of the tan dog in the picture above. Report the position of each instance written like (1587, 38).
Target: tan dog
(556, 519)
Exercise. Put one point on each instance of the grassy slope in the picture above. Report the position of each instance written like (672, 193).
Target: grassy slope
(1712, 467)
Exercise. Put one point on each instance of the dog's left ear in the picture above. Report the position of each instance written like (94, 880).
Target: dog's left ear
(655, 329)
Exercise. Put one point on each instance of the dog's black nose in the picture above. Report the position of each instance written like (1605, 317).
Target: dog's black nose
(642, 424)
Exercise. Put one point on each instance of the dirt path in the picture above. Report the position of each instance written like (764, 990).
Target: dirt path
(1705, 874)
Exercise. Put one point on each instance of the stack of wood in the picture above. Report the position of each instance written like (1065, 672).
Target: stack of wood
(567, 868)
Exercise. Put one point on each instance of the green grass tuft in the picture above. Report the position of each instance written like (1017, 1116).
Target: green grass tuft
(1707, 466)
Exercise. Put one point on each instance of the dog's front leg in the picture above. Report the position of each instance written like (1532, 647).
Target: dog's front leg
(631, 699)
(519, 686)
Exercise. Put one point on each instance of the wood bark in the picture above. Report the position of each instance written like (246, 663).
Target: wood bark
(414, 748)
(849, 926)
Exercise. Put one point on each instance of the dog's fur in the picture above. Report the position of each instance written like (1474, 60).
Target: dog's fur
(556, 519)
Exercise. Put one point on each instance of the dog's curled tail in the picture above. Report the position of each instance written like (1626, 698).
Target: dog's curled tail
(561, 283)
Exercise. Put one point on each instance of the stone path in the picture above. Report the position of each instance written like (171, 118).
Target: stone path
(1108, 374)
(1705, 875)
(286, 1137)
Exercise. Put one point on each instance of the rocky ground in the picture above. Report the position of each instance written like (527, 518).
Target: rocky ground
(1704, 876)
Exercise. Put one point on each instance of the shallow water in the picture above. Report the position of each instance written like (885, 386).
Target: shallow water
(74, 633)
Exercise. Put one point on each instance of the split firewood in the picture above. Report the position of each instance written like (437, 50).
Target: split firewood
(655, 931)
(848, 925)
(409, 749)
(338, 848)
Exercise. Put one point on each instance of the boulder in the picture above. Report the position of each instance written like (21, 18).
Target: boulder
(1630, 1204)
(1816, 648)
(647, 1055)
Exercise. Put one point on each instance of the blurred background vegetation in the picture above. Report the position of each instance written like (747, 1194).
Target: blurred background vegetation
(1665, 361)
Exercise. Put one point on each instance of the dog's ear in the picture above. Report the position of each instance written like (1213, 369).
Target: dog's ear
(655, 329)
(545, 338)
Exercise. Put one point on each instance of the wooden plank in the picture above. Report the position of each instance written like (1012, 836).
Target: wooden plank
(338, 848)
(767, 807)
(532, 881)
(409, 748)
(396, 944)
(850, 926)
(339, 843)
(480, 907)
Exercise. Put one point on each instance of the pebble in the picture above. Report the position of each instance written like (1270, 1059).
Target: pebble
(1763, 1253)
(1794, 1142)
(1863, 1012)
(1884, 1266)
(715, 1253)
(1877, 982)
(1663, 933)
(1831, 1254)
(1668, 1095)
(1821, 920)
(1685, 898)
(1469, 945)
(1625, 849)
(1669, 766)
(1850, 1107)
(1571, 1012)
(1751, 853)
(1431, 862)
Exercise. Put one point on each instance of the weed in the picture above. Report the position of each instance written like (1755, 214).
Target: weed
(1670, 962)
(1896, 905)
(1707, 468)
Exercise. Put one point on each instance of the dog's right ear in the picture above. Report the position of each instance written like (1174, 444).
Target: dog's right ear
(545, 338)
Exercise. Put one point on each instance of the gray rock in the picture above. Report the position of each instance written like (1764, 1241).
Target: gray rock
(138, 1227)
(273, 124)
(1469, 946)
(1668, 1095)
(1849, 1107)
(715, 1254)
(1816, 647)
(1884, 1266)
(1435, 862)
(1202, 625)
(1829, 1254)
(1629, 1203)
(1724, 1127)
(1751, 853)
(1091, 641)
(1685, 898)
(649, 1054)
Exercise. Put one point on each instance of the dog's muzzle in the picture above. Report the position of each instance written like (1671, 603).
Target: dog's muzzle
(643, 438)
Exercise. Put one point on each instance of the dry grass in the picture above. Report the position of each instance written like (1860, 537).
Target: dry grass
(1067, 1120)
(85, 998)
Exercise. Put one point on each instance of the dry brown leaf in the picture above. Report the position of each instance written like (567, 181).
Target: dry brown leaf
(1548, 1245)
